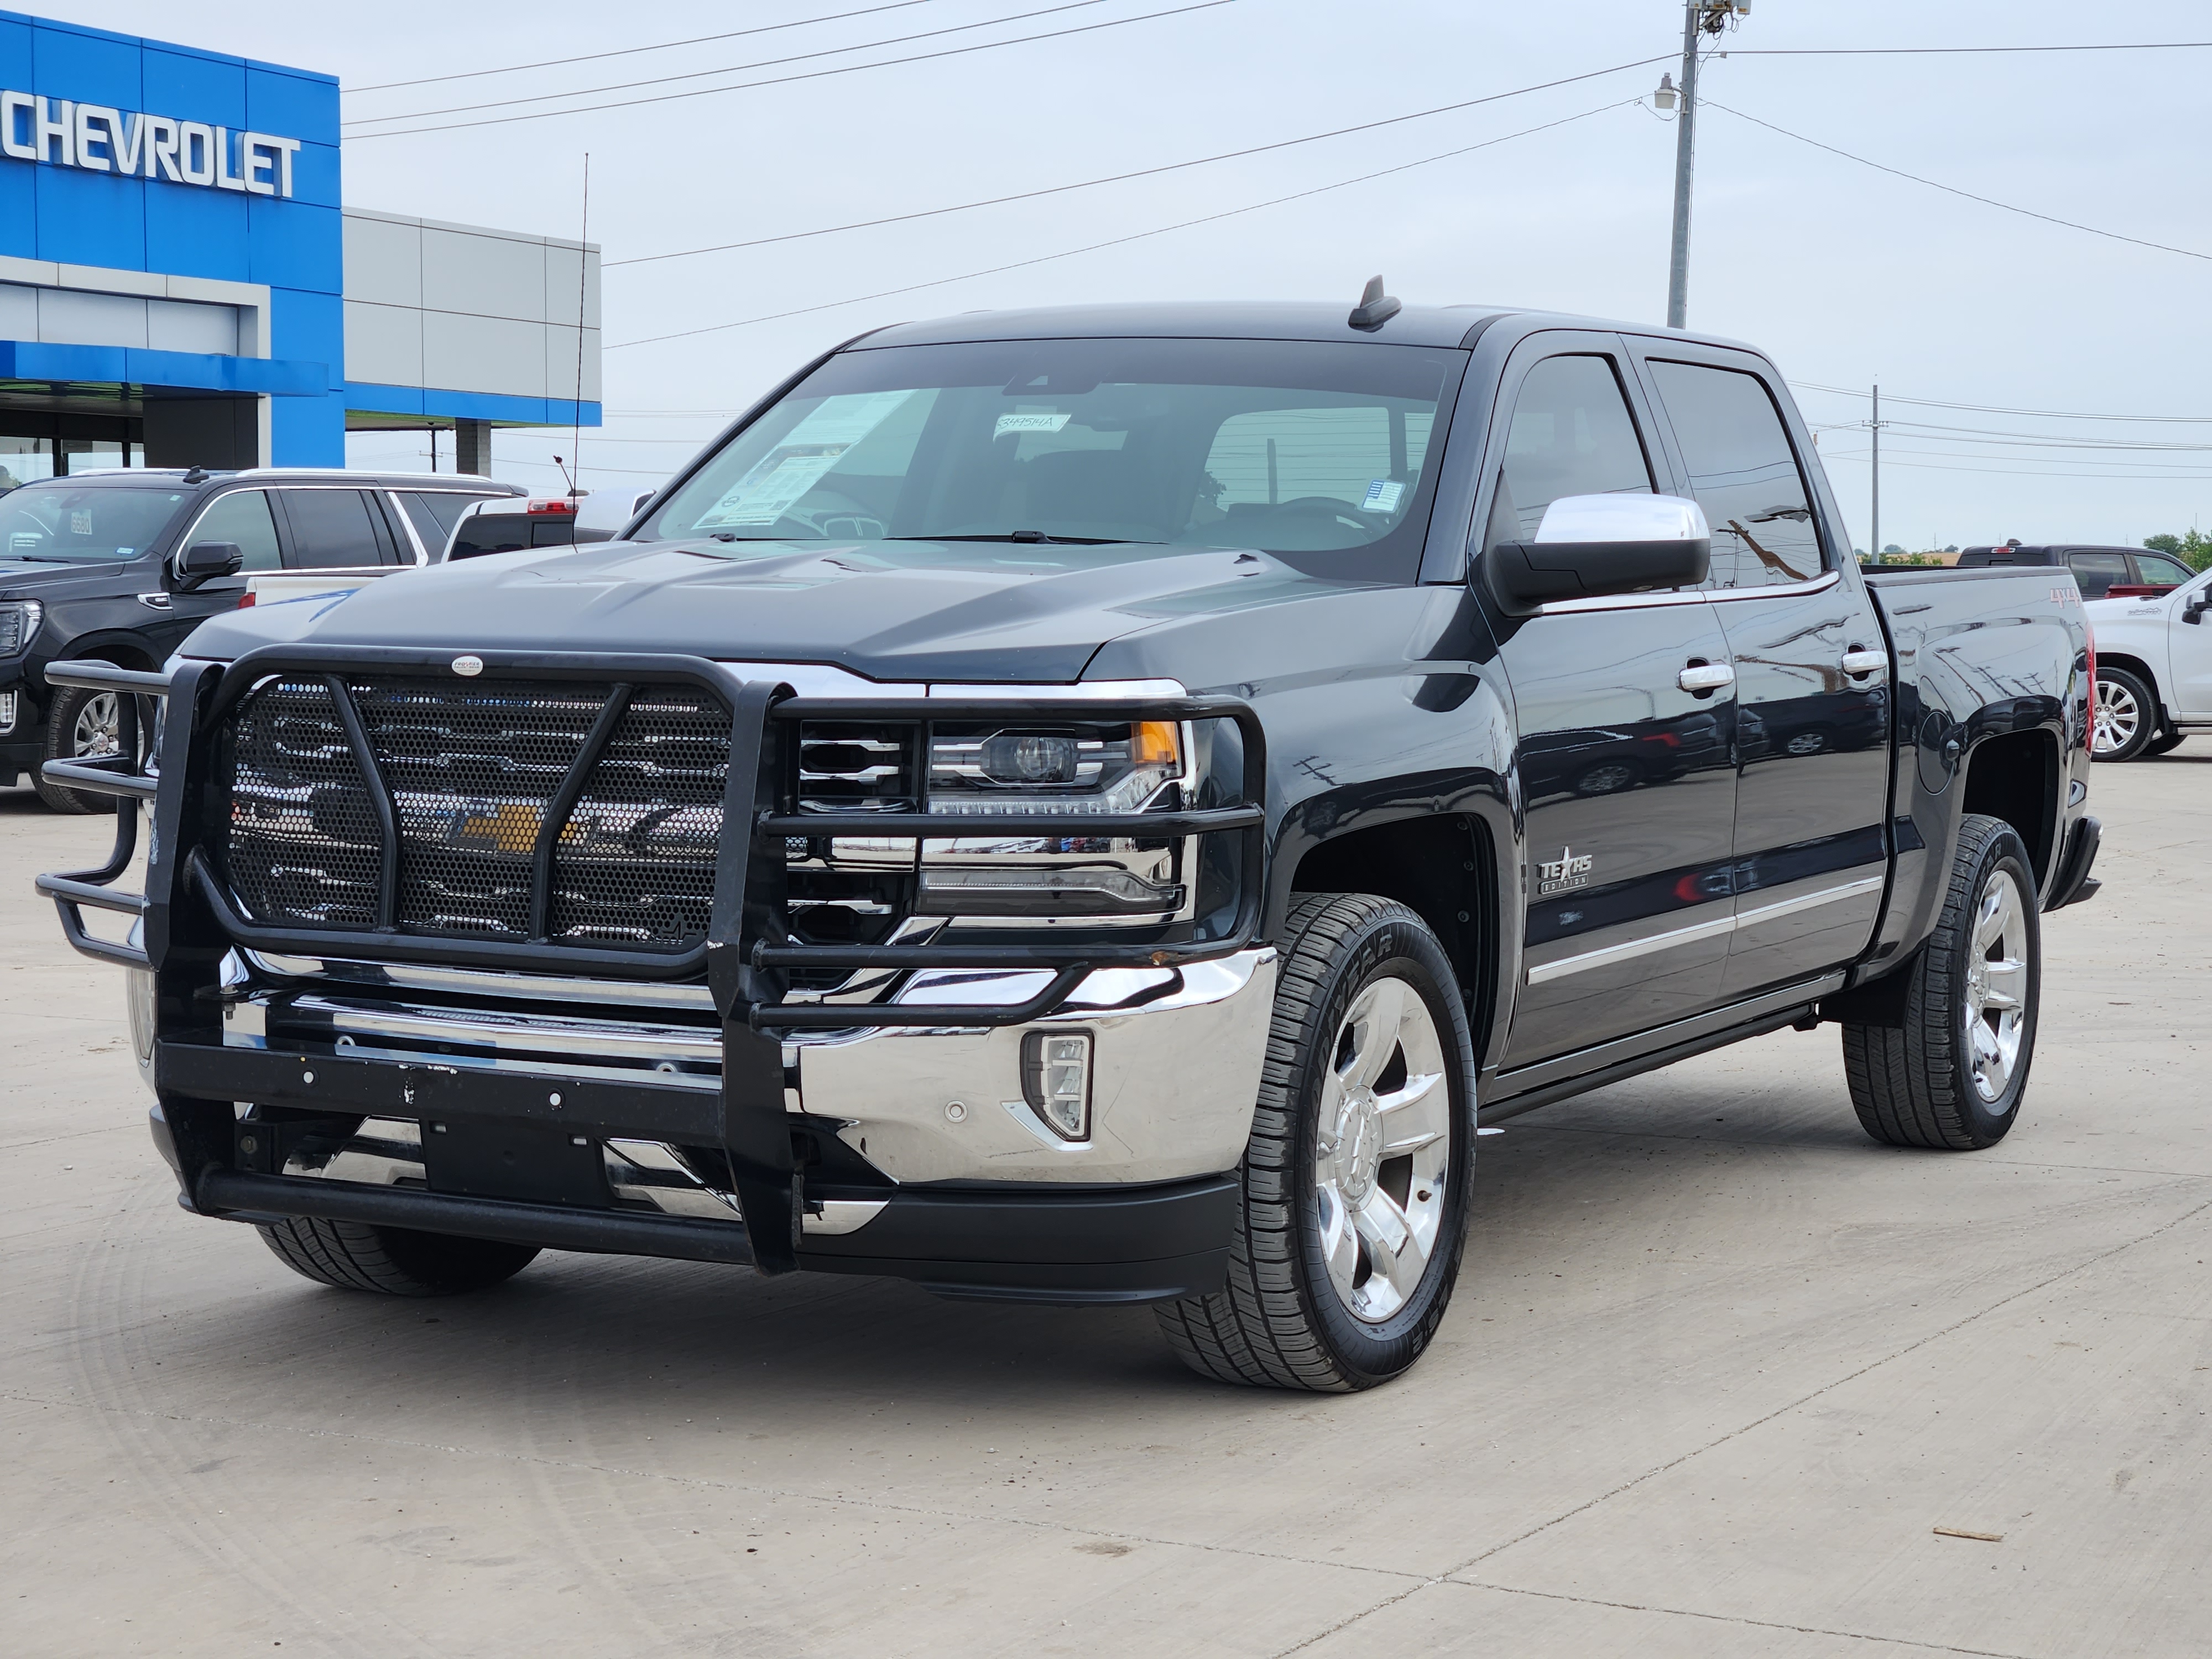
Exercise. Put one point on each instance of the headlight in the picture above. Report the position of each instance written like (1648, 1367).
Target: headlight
(19, 621)
(1018, 772)
(1089, 769)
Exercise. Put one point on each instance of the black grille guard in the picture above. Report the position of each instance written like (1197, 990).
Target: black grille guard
(189, 921)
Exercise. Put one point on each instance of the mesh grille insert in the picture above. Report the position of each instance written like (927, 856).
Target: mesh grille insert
(635, 865)
(472, 768)
(304, 850)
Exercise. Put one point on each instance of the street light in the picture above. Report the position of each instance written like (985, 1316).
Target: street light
(1698, 17)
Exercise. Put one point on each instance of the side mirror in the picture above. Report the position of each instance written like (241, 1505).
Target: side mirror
(2193, 613)
(202, 562)
(1590, 546)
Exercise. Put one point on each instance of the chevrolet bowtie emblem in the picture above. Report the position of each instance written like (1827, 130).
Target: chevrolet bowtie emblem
(511, 826)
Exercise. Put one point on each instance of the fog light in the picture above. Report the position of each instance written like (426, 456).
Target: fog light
(7, 711)
(1056, 1080)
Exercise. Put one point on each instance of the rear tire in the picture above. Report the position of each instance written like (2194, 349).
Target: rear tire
(352, 1255)
(1953, 1076)
(80, 725)
(2127, 716)
(1353, 1199)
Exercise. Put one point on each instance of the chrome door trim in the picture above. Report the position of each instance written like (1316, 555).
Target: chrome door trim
(1652, 943)
(1648, 946)
(1820, 584)
(398, 509)
(1810, 901)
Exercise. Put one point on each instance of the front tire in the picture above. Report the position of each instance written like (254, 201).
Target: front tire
(2127, 716)
(1953, 1074)
(80, 725)
(1354, 1201)
(351, 1255)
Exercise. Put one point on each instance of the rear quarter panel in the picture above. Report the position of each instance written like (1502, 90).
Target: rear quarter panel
(1980, 654)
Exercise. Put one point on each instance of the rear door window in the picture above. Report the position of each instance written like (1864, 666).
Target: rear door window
(2097, 572)
(335, 530)
(241, 516)
(1743, 473)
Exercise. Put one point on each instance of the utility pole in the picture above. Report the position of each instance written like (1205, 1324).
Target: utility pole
(1875, 425)
(1698, 17)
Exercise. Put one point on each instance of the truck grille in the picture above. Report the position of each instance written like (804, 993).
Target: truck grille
(472, 770)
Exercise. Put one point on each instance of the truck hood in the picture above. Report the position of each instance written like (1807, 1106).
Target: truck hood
(889, 611)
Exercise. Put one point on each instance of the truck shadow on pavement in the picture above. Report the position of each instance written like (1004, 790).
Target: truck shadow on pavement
(1569, 1190)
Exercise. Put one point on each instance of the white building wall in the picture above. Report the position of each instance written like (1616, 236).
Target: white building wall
(465, 308)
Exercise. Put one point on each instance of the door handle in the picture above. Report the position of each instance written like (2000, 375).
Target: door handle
(1859, 663)
(1706, 677)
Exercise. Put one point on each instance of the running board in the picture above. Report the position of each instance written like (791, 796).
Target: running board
(1699, 1034)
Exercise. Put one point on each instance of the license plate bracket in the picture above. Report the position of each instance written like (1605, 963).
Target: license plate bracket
(514, 1159)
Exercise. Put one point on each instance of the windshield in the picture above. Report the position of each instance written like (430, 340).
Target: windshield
(1323, 453)
(63, 523)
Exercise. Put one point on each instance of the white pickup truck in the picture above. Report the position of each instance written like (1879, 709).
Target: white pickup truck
(2153, 670)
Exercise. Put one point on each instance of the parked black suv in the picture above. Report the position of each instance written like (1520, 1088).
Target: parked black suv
(2097, 569)
(90, 567)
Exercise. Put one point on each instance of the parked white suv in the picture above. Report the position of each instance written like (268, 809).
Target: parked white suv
(2153, 670)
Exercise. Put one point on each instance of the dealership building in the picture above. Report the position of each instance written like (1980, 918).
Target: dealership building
(182, 284)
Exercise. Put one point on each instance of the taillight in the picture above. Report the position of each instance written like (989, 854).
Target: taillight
(245, 599)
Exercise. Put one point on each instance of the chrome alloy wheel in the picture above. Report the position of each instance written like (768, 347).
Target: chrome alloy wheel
(1997, 985)
(2119, 718)
(98, 730)
(1382, 1150)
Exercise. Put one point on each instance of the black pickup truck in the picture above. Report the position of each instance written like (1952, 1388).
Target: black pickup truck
(1095, 805)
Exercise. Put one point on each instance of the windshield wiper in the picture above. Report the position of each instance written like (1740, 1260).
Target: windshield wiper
(1034, 537)
(36, 558)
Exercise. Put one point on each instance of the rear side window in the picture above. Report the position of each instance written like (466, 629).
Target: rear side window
(2097, 572)
(1743, 473)
(1571, 435)
(433, 513)
(242, 517)
(335, 530)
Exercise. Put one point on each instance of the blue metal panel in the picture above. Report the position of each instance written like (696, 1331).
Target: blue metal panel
(95, 67)
(195, 86)
(292, 102)
(307, 431)
(371, 398)
(19, 209)
(199, 233)
(89, 218)
(295, 245)
(34, 360)
(315, 173)
(29, 359)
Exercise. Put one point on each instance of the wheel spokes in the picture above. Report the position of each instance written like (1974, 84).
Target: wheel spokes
(1394, 1252)
(1416, 1115)
(2004, 984)
(1380, 1011)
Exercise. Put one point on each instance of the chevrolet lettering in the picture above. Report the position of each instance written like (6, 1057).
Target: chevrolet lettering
(1071, 806)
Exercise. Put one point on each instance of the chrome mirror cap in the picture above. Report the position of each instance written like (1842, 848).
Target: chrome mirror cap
(1623, 518)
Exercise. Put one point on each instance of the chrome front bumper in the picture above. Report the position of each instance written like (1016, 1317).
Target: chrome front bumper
(1176, 1068)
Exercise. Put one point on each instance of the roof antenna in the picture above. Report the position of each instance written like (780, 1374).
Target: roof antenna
(1374, 307)
(565, 478)
(198, 474)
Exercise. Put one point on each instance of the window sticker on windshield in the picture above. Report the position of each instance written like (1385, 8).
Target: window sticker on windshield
(1382, 495)
(1036, 421)
(781, 478)
(80, 521)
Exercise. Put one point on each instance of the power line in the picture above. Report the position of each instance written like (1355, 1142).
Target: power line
(1952, 189)
(726, 69)
(2001, 472)
(1141, 173)
(1999, 409)
(1945, 51)
(629, 51)
(787, 79)
(1116, 241)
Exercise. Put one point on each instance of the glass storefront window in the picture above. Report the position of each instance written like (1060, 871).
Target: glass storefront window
(90, 454)
(25, 460)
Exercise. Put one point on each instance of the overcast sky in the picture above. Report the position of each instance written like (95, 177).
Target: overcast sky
(1844, 273)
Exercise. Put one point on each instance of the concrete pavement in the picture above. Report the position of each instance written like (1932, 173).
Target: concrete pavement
(1718, 1367)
